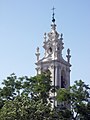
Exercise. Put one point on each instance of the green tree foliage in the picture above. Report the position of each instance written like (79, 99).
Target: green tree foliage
(28, 98)
(77, 97)
(23, 108)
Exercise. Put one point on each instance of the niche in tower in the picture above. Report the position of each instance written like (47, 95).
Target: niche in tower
(62, 79)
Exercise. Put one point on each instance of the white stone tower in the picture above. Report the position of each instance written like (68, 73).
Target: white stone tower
(53, 59)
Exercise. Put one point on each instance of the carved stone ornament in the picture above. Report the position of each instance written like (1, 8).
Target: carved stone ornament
(53, 35)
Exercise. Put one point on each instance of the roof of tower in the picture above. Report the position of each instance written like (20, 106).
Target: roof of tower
(53, 46)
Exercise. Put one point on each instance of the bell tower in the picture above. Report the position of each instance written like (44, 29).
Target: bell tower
(53, 59)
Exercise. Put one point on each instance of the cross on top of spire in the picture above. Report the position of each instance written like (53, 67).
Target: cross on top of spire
(53, 19)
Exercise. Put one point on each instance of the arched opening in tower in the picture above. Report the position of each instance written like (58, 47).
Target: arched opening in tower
(62, 79)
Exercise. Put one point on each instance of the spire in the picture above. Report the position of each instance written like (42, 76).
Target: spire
(53, 25)
(53, 19)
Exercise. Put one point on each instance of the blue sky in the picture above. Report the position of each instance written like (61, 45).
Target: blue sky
(23, 23)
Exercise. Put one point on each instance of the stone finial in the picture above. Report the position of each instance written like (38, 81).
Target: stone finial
(61, 36)
(68, 51)
(45, 37)
(37, 53)
(53, 27)
(68, 55)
